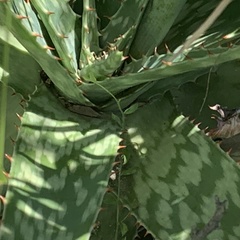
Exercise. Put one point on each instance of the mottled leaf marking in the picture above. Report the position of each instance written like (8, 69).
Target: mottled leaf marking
(177, 175)
(60, 172)
(214, 222)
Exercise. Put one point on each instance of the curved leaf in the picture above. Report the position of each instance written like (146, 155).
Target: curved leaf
(23, 74)
(58, 74)
(181, 177)
(155, 23)
(59, 20)
(200, 61)
(15, 107)
(61, 166)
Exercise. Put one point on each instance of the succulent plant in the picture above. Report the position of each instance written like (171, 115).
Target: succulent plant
(102, 145)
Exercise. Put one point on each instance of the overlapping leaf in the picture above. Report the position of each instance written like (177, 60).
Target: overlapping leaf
(58, 74)
(61, 166)
(177, 174)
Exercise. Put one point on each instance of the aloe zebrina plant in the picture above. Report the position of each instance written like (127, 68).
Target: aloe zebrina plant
(100, 58)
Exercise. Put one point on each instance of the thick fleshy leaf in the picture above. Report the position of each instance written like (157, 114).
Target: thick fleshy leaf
(106, 9)
(174, 178)
(89, 34)
(15, 107)
(155, 23)
(65, 82)
(60, 171)
(179, 177)
(187, 22)
(23, 72)
(200, 61)
(127, 16)
(59, 20)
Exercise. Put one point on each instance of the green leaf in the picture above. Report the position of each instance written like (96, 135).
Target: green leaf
(131, 109)
(103, 67)
(89, 37)
(60, 172)
(15, 105)
(59, 20)
(114, 220)
(106, 8)
(57, 73)
(201, 60)
(155, 23)
(186, 23)
(116, 119)
(23, 75)
(179, 173)
(128, 97)
(129, 11)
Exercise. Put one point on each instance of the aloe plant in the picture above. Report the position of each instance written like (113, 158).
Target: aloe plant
(104, 144)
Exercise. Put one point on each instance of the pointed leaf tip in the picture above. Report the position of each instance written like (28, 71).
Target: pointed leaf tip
(167, 48)
(167, 63)
(102, 209)
(62, 35)
(35, 34)
(12, 140)
(109, 189)
(3, 199)
(198, 124)
(57, 58)
(120, 147)
(16, 126)
(19, 117)
(49, 13)
(91, 9)
(21, 17)
(48, 47)
(116, 163)
(8, 157)
(6, 174)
